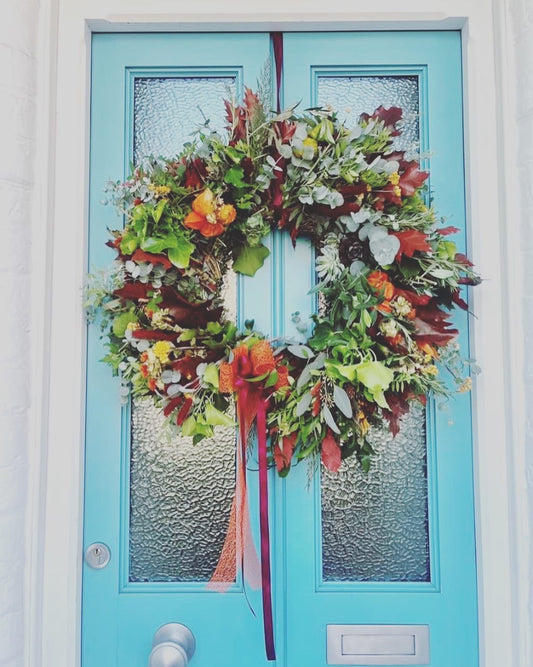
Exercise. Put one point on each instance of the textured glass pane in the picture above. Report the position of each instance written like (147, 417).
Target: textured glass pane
(168, 111)
(375, 525)
(180, 500)
(354, 95)
(180, 494)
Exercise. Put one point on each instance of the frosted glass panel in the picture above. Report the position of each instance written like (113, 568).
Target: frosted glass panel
(180, 500)
(354, 95)
(180, 493)
(167, 111)
(375, 525)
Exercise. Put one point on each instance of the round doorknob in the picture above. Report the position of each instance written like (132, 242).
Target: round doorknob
(173, 646)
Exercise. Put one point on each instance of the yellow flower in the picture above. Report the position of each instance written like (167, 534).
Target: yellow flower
(309, 141)
(162, 349)
(132, 326)
(363, 422)
(466, 385)
(431, 370)
(159, 190)
(394, 178)
(397, 191)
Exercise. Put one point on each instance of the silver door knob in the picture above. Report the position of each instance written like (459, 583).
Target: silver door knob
(173, 646)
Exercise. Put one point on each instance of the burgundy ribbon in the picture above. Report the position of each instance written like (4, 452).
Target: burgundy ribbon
(277, 46)
(268, 624)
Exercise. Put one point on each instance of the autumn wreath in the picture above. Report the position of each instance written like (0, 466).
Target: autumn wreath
(388, 277)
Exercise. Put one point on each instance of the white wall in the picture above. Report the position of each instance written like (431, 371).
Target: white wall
(522, 42)
(17, 116)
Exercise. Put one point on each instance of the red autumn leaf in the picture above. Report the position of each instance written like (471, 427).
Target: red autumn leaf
(411, 240)
(133, 291)
(148, 334)
(282, 457)
(456, 297)
(195, 173)
(411, 179)
(183, 411)
(433, 326)
(331, 452)
(399, 406)
(446, 231)
(389, 116)
(412, 297)
(172, 405)
(142, 256)
(462, 259)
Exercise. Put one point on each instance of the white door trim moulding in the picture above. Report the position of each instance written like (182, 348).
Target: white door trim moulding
(59, 263)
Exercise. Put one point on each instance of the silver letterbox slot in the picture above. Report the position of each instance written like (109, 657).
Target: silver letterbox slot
(378, 644)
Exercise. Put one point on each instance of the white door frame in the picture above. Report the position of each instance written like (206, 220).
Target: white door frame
(59, 264)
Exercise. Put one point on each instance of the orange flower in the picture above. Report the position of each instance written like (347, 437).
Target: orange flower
(209, 215)
(226, 378)
(144, 371)
(428, 349)
(379, 280)
(262, 358)
(152, 384)
(385, 307)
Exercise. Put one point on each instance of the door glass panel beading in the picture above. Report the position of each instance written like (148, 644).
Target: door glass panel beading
(180, 494)
(375, 525)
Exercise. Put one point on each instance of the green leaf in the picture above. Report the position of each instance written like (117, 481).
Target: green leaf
(156, 245)
(216, 418)
(342, 401)
(376, 378)
(234, 176)
(120, 323)
(272, 379)
(340, 371)
(211, 375)
(129, 243)
(181, 255)
(248, 259)
(188, 427)
(158, 210)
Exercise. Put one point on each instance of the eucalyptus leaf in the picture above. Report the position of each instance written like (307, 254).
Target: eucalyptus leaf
(303, 404)
(305, 377)
(301, 351)
(328, 418)
(342, 401)
(384, 248)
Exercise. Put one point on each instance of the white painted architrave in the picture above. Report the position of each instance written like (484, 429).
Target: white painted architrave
(60, 222)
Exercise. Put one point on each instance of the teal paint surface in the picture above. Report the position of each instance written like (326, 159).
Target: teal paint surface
(119, 618)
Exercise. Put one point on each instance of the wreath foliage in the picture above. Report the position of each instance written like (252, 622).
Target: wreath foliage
(389, 277)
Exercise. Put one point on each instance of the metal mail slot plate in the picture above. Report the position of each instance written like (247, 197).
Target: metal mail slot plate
(378, 644)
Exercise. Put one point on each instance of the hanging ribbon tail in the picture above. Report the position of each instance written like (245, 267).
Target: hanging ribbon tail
(268, 623)
(239, 552)
(277, 47)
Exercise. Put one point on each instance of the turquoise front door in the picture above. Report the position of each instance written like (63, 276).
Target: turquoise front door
(368, 569)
